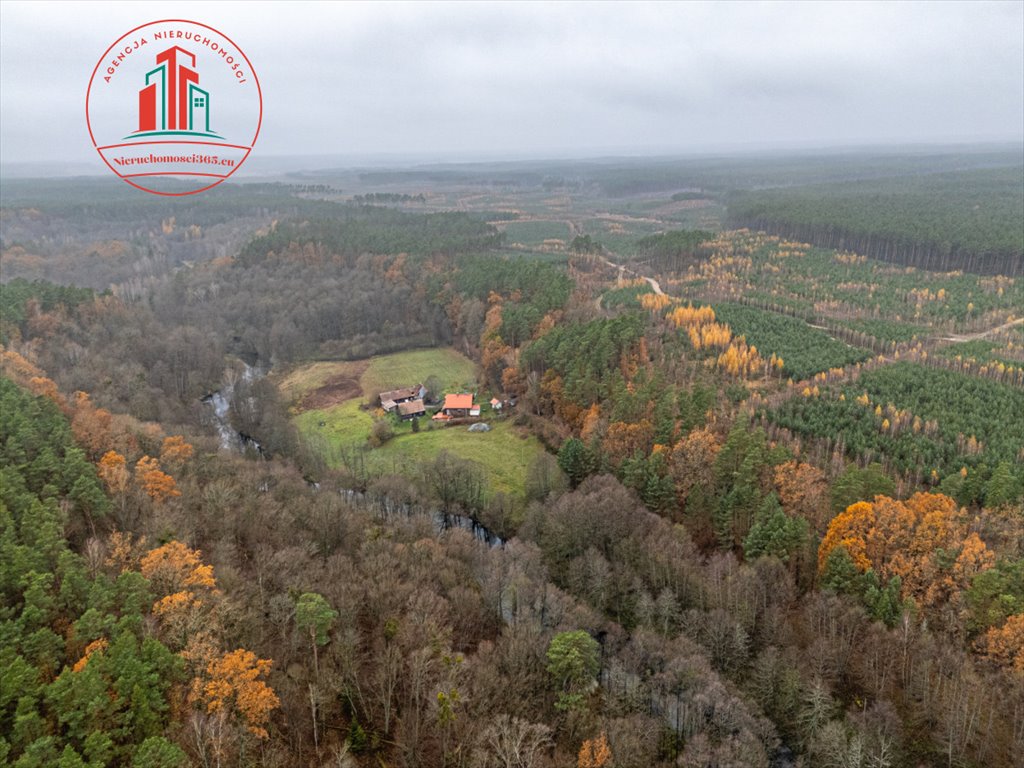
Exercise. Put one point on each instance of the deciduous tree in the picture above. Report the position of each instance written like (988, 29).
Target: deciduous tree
(595, 753)
(175, 451)
(157, 484)
(232, 682)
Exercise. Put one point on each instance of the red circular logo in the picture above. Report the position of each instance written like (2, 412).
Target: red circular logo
(174, 107)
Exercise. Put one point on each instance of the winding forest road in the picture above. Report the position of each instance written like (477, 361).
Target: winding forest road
(655, 285)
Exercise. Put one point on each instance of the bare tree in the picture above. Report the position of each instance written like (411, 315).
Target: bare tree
(509, 742)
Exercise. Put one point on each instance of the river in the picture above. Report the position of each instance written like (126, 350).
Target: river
(220, 409)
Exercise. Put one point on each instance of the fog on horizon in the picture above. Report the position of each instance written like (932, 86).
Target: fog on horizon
(496, 80)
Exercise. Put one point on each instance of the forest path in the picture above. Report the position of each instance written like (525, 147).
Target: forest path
(962, 337)
(655, 285)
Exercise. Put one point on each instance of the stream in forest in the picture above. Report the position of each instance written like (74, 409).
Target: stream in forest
(220, 409)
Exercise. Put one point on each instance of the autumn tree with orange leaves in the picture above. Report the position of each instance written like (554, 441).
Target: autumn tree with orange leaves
(595, 753)
(513, 382)
(226, 687)
(803, 492)
(186, 593)
(157, 484)
(174, 567)
(175, 452)
(493, 349)
(693, 470)
(124, 552)
(623, 440)
(40, 385)
(232, 684)
(1005, 645)
(30, 376)
(113, 471)
(922, 542)
(90, 425)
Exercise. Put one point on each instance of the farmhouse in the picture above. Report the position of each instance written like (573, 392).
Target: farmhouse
(410, 410)
(458, 405)
(495, 404)
(390, 400)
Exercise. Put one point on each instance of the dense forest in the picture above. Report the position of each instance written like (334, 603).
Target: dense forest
(843, 290)
(967, 221)
(621, 177)
(89, 234)
(389, 640)
(945, 425)
(743, 538)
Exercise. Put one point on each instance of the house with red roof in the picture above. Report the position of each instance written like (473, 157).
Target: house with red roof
(458, 405)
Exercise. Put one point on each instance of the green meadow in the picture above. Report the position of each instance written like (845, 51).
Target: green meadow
(344, 418)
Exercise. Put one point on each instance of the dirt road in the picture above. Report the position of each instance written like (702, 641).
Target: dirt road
(655, 285)
(962, 337)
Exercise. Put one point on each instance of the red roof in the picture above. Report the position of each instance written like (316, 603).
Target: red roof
(458, 401)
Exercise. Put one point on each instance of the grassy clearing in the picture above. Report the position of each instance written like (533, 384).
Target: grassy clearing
(299, 382)
(456, 372)
(344, 425)
(505, 452)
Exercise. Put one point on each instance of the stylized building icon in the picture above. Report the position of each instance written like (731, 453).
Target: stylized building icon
(172, 100)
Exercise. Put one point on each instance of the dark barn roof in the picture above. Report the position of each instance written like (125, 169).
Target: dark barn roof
(411, 408)
(403, 393)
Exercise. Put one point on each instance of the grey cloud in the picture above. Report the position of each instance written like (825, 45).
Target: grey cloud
(445, 78)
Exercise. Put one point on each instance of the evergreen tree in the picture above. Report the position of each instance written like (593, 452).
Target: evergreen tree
(576, 460)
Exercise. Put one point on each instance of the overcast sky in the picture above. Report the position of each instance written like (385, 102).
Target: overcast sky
(462, 80)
